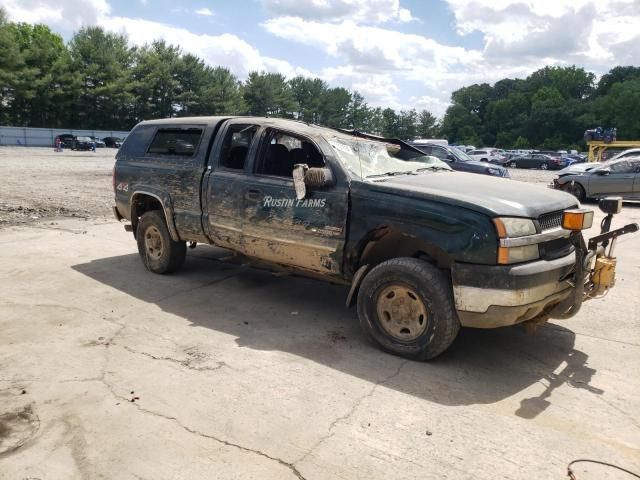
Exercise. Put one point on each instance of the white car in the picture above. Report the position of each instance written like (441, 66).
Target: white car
(485, 154)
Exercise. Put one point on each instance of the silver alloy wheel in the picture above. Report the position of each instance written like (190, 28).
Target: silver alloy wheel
(153, 242)
(544, 166)
(401, 312)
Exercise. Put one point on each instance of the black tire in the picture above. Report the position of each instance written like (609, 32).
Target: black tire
(513, 164)
(159, 253)
(484, 160)
(577, 191)
(434, 295)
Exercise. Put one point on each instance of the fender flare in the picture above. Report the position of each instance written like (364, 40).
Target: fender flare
(167, 210)
(355, 284)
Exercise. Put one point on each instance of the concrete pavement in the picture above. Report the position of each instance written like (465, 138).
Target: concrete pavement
(224, 371)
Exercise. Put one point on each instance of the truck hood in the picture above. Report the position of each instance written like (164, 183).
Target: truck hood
(492, 196)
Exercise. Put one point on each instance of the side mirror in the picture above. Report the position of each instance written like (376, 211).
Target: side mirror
(319, 177)
(314, 177)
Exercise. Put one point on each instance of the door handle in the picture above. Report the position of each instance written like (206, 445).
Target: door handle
(253, 195)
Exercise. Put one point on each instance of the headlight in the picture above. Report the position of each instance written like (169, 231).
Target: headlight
(523, 253)
(508, 227)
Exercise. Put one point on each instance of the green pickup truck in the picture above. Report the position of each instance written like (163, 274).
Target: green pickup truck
(424, 250)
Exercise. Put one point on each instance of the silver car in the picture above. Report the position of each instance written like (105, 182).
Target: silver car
(619, 177)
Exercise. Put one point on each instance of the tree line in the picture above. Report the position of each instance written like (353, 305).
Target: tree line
(549, 109)
(98, 81)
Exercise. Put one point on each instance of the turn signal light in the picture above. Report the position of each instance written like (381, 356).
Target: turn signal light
(577, 219)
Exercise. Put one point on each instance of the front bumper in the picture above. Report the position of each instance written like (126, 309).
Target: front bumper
(497, 296)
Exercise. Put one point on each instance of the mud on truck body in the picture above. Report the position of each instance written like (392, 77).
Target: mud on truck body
(423, 249)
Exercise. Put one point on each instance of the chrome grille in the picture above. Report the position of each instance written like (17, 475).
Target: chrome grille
(550, 220)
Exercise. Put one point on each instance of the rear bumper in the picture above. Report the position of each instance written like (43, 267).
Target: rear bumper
(116, 213)
(496, 296)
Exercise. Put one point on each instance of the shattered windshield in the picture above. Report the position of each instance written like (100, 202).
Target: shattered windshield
(370, 159)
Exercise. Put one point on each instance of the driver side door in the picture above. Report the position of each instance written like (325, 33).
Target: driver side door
(277, 227)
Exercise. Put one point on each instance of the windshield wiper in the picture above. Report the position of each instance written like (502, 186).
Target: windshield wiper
(391, 174)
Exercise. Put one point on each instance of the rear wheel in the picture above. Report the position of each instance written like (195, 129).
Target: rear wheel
(405, 305)
(158, 251)
(513, 164)
(544, 166)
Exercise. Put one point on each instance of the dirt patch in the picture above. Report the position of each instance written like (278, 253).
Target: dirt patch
(40, 184)
(335, 336)
(16, 428)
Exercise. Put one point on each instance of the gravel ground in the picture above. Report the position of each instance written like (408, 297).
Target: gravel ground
(533, 176)
(41, 184)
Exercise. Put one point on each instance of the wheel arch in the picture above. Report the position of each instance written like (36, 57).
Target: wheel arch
(144, 201)
(388, 242)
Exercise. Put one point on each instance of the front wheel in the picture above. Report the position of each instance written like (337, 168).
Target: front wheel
(405, 305)
(513, 164)
(577, 191)
(159, 252)
(544, 166)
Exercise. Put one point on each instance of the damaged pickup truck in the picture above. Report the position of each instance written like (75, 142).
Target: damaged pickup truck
(424, 250)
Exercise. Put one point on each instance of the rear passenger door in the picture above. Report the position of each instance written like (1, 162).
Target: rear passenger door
(175, 161)
(308, 233)
(529, 161)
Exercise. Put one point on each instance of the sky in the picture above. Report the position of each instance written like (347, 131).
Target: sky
(397, 53)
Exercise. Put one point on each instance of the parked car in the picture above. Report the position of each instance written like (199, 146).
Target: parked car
(551, 153)
(458, 160)
(618, 177)
(430, 141)
(112, 142)
(82, 143)
(99, 143)
(68, 140)
(572, 159)
(537, 160)
(607, 135)
(585, 167)
(484, 155)
(424, 249)
(504, 159)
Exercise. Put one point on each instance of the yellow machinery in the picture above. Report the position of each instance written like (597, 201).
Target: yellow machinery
(596, 149)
